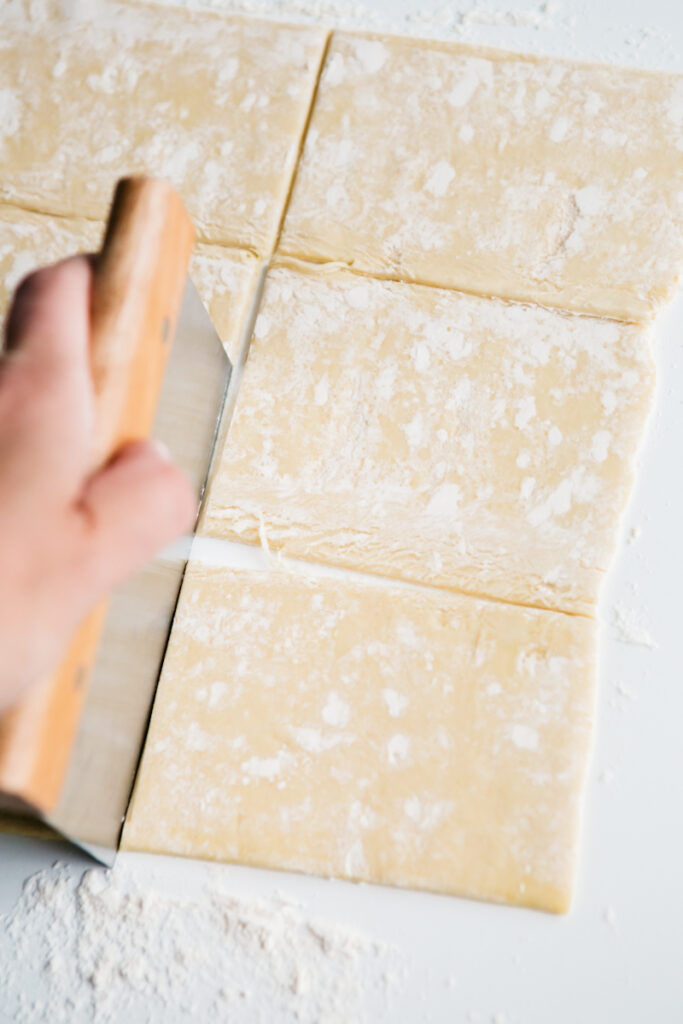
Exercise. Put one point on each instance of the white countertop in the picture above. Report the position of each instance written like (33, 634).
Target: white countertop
(617, 955)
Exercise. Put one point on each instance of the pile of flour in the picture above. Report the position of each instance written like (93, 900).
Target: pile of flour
(108, 946)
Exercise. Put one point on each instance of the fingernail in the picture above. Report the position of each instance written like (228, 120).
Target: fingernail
(161, 450)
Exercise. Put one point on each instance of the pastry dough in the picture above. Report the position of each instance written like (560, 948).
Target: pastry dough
(377, 730)
(438, 437)
(496, 173)
(225, 278)
(90, 91)
(31, 240)
(405, 736)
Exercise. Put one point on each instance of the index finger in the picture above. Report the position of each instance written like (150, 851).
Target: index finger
(49, 319)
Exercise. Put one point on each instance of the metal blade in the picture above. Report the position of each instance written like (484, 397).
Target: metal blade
(107, 749)
(194, 390)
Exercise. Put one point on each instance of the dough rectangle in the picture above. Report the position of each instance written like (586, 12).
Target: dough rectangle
(216, 104)
(498, 173)
(434, 436)
(402, 736)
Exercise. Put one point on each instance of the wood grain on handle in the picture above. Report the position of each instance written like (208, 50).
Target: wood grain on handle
(139, 280)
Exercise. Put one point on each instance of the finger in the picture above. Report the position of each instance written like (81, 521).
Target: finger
(46, 392)
(49, 320)
(134, 506)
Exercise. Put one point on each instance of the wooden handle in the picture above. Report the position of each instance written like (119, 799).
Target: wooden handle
(140, 276)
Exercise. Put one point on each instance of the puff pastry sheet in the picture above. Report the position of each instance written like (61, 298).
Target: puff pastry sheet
(437, 437)
(502, 174)
(92, 91)
(410, 736)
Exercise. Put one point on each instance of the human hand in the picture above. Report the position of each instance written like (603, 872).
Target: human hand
(67, 534)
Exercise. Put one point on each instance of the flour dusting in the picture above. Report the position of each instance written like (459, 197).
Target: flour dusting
(407, 417)
(109, 946)
(10, 114)
(630, 627)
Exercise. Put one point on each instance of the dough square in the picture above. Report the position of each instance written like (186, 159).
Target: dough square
(216, 104)
(398, 735)
(434, 436)
(497, 173)
(225, 278)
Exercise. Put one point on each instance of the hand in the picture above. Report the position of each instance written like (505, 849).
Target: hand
(67, 535)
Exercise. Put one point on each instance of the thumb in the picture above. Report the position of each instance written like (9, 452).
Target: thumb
(135, 505)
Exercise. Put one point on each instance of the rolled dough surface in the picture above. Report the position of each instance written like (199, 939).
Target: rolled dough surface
(397, 735)
(91, 91)
(379, 730)
(225, 278)
(434, 436)
(30, 240)
(502, 174)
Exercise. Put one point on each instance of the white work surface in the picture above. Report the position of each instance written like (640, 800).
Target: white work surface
(617, 955)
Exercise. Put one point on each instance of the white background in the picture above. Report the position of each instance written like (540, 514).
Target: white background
(618, 955)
